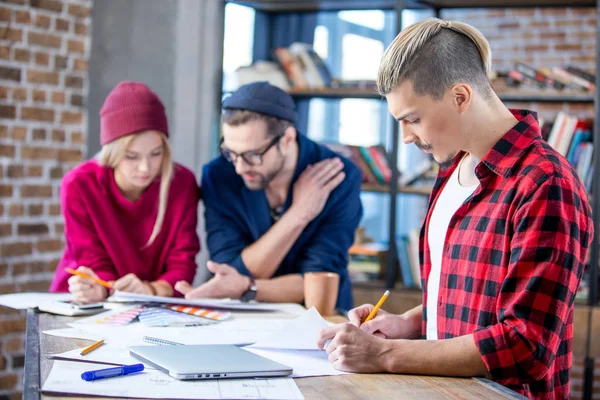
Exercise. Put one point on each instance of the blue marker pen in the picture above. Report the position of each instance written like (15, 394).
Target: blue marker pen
(112, 372)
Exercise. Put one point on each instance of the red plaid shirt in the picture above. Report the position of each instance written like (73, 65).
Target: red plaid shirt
(513, 259)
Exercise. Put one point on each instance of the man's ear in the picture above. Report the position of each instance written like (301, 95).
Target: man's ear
(288, 137)
(462, 95)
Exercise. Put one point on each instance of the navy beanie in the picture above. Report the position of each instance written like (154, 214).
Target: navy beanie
(263, 98)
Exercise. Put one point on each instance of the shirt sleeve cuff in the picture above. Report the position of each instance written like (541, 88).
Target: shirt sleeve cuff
(238, 264)
(494, 345)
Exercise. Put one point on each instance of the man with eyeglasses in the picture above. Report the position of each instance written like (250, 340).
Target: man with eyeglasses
(277, 205)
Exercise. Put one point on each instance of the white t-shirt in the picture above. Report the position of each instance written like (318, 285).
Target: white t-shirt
(452, 196)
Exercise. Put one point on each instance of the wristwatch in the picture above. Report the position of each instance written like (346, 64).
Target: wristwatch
(250, 293)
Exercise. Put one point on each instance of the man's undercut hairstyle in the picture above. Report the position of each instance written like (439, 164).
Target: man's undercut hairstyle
(435, 55)
(237, 117)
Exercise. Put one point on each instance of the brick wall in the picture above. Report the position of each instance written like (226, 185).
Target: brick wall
(542, 37)
(44, 52)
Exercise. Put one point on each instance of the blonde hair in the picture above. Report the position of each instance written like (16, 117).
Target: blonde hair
(434, 55)
(111, 155)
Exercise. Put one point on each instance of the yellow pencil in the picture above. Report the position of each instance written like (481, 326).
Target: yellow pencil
(377, 306)
(91, 347)
(84, 275)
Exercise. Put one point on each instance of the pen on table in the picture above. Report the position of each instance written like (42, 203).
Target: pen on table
(377, 306)
(112, 372)
(91, 347)
(84, 275)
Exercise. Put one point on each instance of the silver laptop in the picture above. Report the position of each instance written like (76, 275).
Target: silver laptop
(208, 362)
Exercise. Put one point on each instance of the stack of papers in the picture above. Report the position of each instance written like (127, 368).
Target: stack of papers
(291, 342)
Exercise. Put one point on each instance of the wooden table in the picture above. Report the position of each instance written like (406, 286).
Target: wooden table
(358, 386)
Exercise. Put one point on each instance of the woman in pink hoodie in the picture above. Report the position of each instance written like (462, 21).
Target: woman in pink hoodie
(130, 213)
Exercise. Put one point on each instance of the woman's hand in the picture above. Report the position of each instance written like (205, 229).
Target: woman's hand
(85, 290)
(132, 284)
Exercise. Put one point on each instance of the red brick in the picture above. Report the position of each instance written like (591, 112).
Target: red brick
(60, 62)
(5, 14)
(62, 25)
(9, 112)
(583, 59)
(15, 171)
(539, 24)
(22, 17)
(536, 47)
(59, 228)
(77, 100)
(58, 135)
(37, 114)
(81, 29)
(5, 229)
(509, 25)
(56, 173)
(51, 78)
(22, 55)
(16, 210)
(70, 118)
(35, 286)
(10, 74)
(42, 21)
(79, 11)
(44, 39)
(568, 23)
(5, 52)
(50, 5)
(70, 155)
(34, 210)
(520, 12)
(3, 93)
(38, 153)
(28, 191)
(17, 361)
(9, 381)
(568, 47)
(33, 229)
(19, 94)
(38, 95)
(42, 58)
(58, 97)
(2, 209)
(3, 132)
(583, 11)
(19, 2)
(35, 171)
(6, 190)
(15, 249)
(38, 134)
(12, 34)
(3, 270)
(49, 245)
(72, 81)
(7, 151)
(553, 11)
(553, 35)
(14, 344)
(80, 65)
(18, 133)
(54, 209)
(76, 46)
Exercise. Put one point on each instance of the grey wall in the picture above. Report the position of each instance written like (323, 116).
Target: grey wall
(131, 40)
(176, 47)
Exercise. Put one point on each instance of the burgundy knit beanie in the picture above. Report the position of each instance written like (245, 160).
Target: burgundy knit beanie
(131, 107)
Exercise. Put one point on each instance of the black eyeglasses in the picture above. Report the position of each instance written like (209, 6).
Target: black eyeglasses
(252, 157)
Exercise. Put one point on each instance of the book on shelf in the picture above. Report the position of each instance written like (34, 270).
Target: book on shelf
(372, 161)
(557, 78)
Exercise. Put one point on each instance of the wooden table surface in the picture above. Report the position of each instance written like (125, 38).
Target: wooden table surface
(357, 386)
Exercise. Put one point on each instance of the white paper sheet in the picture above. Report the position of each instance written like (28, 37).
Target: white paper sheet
(23, 301)
(65, 377)
(304, 362)
(73, 334)
(298, 334)
(105, 354)
(227, 304)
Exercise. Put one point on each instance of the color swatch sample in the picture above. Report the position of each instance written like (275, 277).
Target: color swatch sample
(123, 317)
(158, 316)
(200, 312)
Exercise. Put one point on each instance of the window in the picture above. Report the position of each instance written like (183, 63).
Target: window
(239, 41)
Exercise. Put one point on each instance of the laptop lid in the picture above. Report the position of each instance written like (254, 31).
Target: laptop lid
(208, 361)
